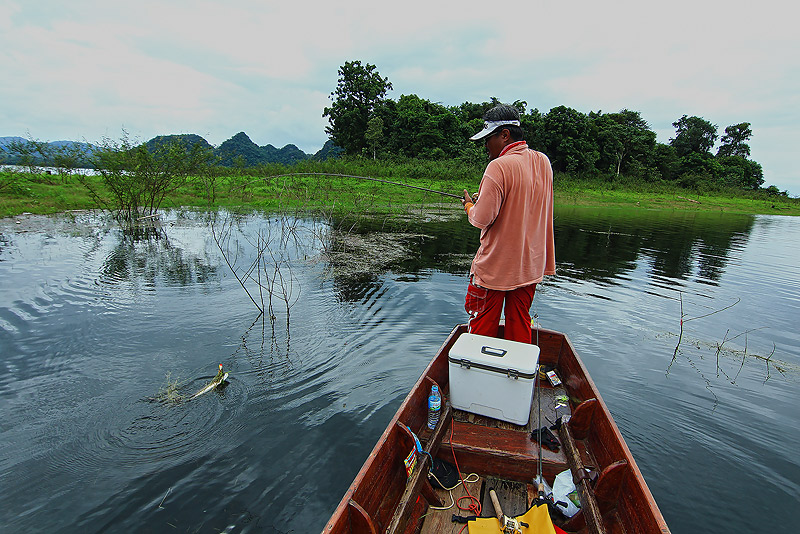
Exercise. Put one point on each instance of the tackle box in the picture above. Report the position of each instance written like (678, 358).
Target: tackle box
(493, 377)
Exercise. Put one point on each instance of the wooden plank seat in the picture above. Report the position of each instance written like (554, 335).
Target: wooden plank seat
(510, 453)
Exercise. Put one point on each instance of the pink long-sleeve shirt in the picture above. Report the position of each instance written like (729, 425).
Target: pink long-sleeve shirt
(515, 214)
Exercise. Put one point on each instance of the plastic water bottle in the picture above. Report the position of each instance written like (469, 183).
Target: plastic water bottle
(434, 407)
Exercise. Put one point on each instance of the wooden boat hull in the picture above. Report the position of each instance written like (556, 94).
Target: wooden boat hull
(383, 499)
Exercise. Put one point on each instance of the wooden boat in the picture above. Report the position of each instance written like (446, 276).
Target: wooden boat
(383, 499)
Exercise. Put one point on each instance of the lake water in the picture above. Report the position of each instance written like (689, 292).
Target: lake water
(94, 329)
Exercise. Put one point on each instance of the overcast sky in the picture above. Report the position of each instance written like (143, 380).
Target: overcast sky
(83, 70)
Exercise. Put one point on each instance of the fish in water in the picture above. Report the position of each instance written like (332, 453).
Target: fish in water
(216, 382)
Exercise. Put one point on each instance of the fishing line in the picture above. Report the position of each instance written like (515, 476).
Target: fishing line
(538, 392)
(539, 415)
(368, 178)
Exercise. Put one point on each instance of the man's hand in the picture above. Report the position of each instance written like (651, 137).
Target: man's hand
(468, 201)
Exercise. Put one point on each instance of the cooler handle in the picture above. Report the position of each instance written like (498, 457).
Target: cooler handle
(493, 352)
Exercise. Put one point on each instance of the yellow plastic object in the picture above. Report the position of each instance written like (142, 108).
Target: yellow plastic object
(537, 518)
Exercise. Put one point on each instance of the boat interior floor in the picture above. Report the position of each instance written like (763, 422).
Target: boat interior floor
(482, 443)
(513, 496)
(488, 444)
(552, 408)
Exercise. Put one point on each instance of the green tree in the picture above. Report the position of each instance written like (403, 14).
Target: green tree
(359, 90)
(739, 171)
(468, 111)
(693, 135)
(565, 136)
(665, 160)
(624, 137)
(408, 118)
(774, 191)
(68, 157)
(531, 122)
(734, 142)
(701, 165)
(137, 179)
(30, 153)
(521, 106)
(424, 129)
(374, 133)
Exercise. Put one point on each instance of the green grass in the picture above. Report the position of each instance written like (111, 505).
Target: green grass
(624, 192)
(41, 194)
(279, 187)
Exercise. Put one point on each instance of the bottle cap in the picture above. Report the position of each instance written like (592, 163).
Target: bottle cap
(434, 389)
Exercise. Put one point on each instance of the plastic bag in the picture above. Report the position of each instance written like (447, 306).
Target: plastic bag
(565, 495)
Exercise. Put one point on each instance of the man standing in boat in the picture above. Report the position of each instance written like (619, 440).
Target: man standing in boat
(514, 210)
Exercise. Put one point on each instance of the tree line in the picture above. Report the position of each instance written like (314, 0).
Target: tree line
(364, 122)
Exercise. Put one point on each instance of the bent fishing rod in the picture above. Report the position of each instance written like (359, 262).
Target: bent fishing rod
(461, 197)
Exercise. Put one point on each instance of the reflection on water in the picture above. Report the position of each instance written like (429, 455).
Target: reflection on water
(92, 326)
(153, 255)
(605, 245)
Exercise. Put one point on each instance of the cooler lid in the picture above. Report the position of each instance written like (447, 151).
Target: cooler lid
(518, 360)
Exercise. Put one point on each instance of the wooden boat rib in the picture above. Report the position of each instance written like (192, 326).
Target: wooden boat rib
(383, 499)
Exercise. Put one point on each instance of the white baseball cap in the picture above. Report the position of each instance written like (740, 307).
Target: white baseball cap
(489, 127)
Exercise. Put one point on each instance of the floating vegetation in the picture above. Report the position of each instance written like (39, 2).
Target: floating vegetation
(353, 255)
(432, 213)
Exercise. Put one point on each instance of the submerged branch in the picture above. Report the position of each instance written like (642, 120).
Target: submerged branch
(738, 300)
(720, 348)
(235, 274)
(680, 337)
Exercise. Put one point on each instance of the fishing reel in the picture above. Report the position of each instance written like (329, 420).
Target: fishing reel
(509, 525)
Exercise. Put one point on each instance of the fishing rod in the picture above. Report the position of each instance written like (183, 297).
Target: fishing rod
(461, 197)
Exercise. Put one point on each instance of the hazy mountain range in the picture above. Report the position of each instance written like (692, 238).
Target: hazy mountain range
(238, 150)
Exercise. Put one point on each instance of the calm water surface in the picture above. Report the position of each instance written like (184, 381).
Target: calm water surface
(94, 328)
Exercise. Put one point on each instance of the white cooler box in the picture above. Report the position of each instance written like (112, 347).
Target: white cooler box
(493, 377)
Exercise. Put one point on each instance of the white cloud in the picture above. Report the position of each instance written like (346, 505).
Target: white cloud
(83, 69)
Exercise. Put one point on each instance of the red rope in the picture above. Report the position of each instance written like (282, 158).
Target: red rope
(475, 504)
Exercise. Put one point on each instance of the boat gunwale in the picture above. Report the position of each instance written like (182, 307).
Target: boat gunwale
(341, 509)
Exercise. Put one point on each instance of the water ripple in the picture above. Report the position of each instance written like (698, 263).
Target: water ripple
(91, 324)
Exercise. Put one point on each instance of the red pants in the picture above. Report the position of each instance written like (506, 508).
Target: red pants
(484, 307)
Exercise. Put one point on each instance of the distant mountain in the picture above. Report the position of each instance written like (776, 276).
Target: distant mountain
(328, 150)
(5, 141)
(239, 149)
(288, 154)
(15, 150)
(187, 140)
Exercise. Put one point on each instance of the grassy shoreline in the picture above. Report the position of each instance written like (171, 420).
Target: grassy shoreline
(283, 188)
